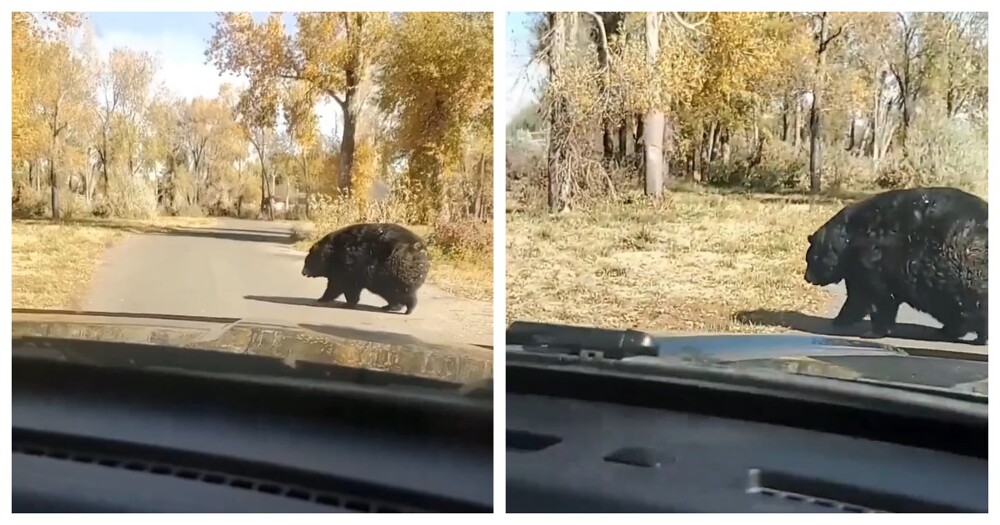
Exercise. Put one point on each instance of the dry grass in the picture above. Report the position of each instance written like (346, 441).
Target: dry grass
(691, 262)
(467, 277)
(472, 279)
(54, 263)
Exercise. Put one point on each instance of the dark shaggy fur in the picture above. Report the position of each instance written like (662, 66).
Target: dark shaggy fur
(926, 247)
(386, 259)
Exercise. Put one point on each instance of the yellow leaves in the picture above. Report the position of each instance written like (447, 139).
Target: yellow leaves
(130, 75)
(330, 51)
(743, 53)
(437, 78)
(300, 116)
(336, 46)
(367, 165)
(435, 85)
(38, 52)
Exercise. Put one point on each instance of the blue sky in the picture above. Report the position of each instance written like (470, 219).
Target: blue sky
(521, 81)
(179, 40)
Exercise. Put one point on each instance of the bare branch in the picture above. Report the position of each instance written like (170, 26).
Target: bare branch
(835, 34)
(688, 25)
(604, 33)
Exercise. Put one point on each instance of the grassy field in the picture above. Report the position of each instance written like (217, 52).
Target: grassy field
(691, 262)
(471, 278)
(54, 263)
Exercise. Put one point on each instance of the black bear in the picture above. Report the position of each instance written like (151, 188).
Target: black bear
(386, 259)
(926, 247)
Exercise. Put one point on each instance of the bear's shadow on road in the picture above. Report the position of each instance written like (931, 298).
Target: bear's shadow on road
(822, 326)
(306, 301)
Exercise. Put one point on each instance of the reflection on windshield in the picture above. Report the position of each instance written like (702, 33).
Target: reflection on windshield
(456, 364)
(143, 191)
(742, 204)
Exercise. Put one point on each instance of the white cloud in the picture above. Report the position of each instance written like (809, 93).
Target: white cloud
(181, 60)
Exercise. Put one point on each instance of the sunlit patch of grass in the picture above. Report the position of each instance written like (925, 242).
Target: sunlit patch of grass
(690, 262)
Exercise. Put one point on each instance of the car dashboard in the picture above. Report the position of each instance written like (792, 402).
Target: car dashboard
(95, 439)
(600, 443)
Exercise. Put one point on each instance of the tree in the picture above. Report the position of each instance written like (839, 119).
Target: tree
(559, 174)
(303, 130)
(655, 121)
(958, 68)
(824, 35)
(29, 136)
(63, 94)
(433, 83)
(123, 85)
(332, 52)
(258, 114)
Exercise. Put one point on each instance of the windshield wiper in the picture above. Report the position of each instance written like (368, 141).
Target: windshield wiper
(581, 341)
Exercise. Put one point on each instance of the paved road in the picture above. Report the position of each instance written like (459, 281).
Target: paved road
(247, 269)
(914, 329)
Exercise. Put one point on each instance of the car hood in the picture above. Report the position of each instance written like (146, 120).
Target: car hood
(825, 356)
(289, 345)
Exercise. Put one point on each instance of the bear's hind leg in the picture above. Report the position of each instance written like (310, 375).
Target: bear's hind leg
(982, 330)
(952, 331)
(884, 311)
(410, 302)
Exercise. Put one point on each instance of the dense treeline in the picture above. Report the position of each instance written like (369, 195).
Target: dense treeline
(97, 135)
(769, 101)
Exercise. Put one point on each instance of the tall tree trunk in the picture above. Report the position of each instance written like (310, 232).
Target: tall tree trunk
(351, 109)
(713, 135)
(270, 194)
(622, 140)
(608, 141)
(724, 148)
(54, 183)
(607, 126)
(877, 121)
(655, 120)
(558, 174)
(481, 187)
(797, 131)
(54, 179)
(815, 146)
(637, 138)
(699, 144)
(105, 160)
(784, 118)
(824, 37)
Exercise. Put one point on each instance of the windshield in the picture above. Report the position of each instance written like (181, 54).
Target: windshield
(735, 198)
(283, 202)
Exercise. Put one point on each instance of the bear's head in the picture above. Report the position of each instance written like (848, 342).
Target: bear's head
(826, 254)
(315, 261)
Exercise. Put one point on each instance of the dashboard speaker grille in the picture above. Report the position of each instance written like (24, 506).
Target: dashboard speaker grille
(330, 499)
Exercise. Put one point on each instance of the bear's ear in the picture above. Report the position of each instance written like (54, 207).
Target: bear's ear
(810, 237)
